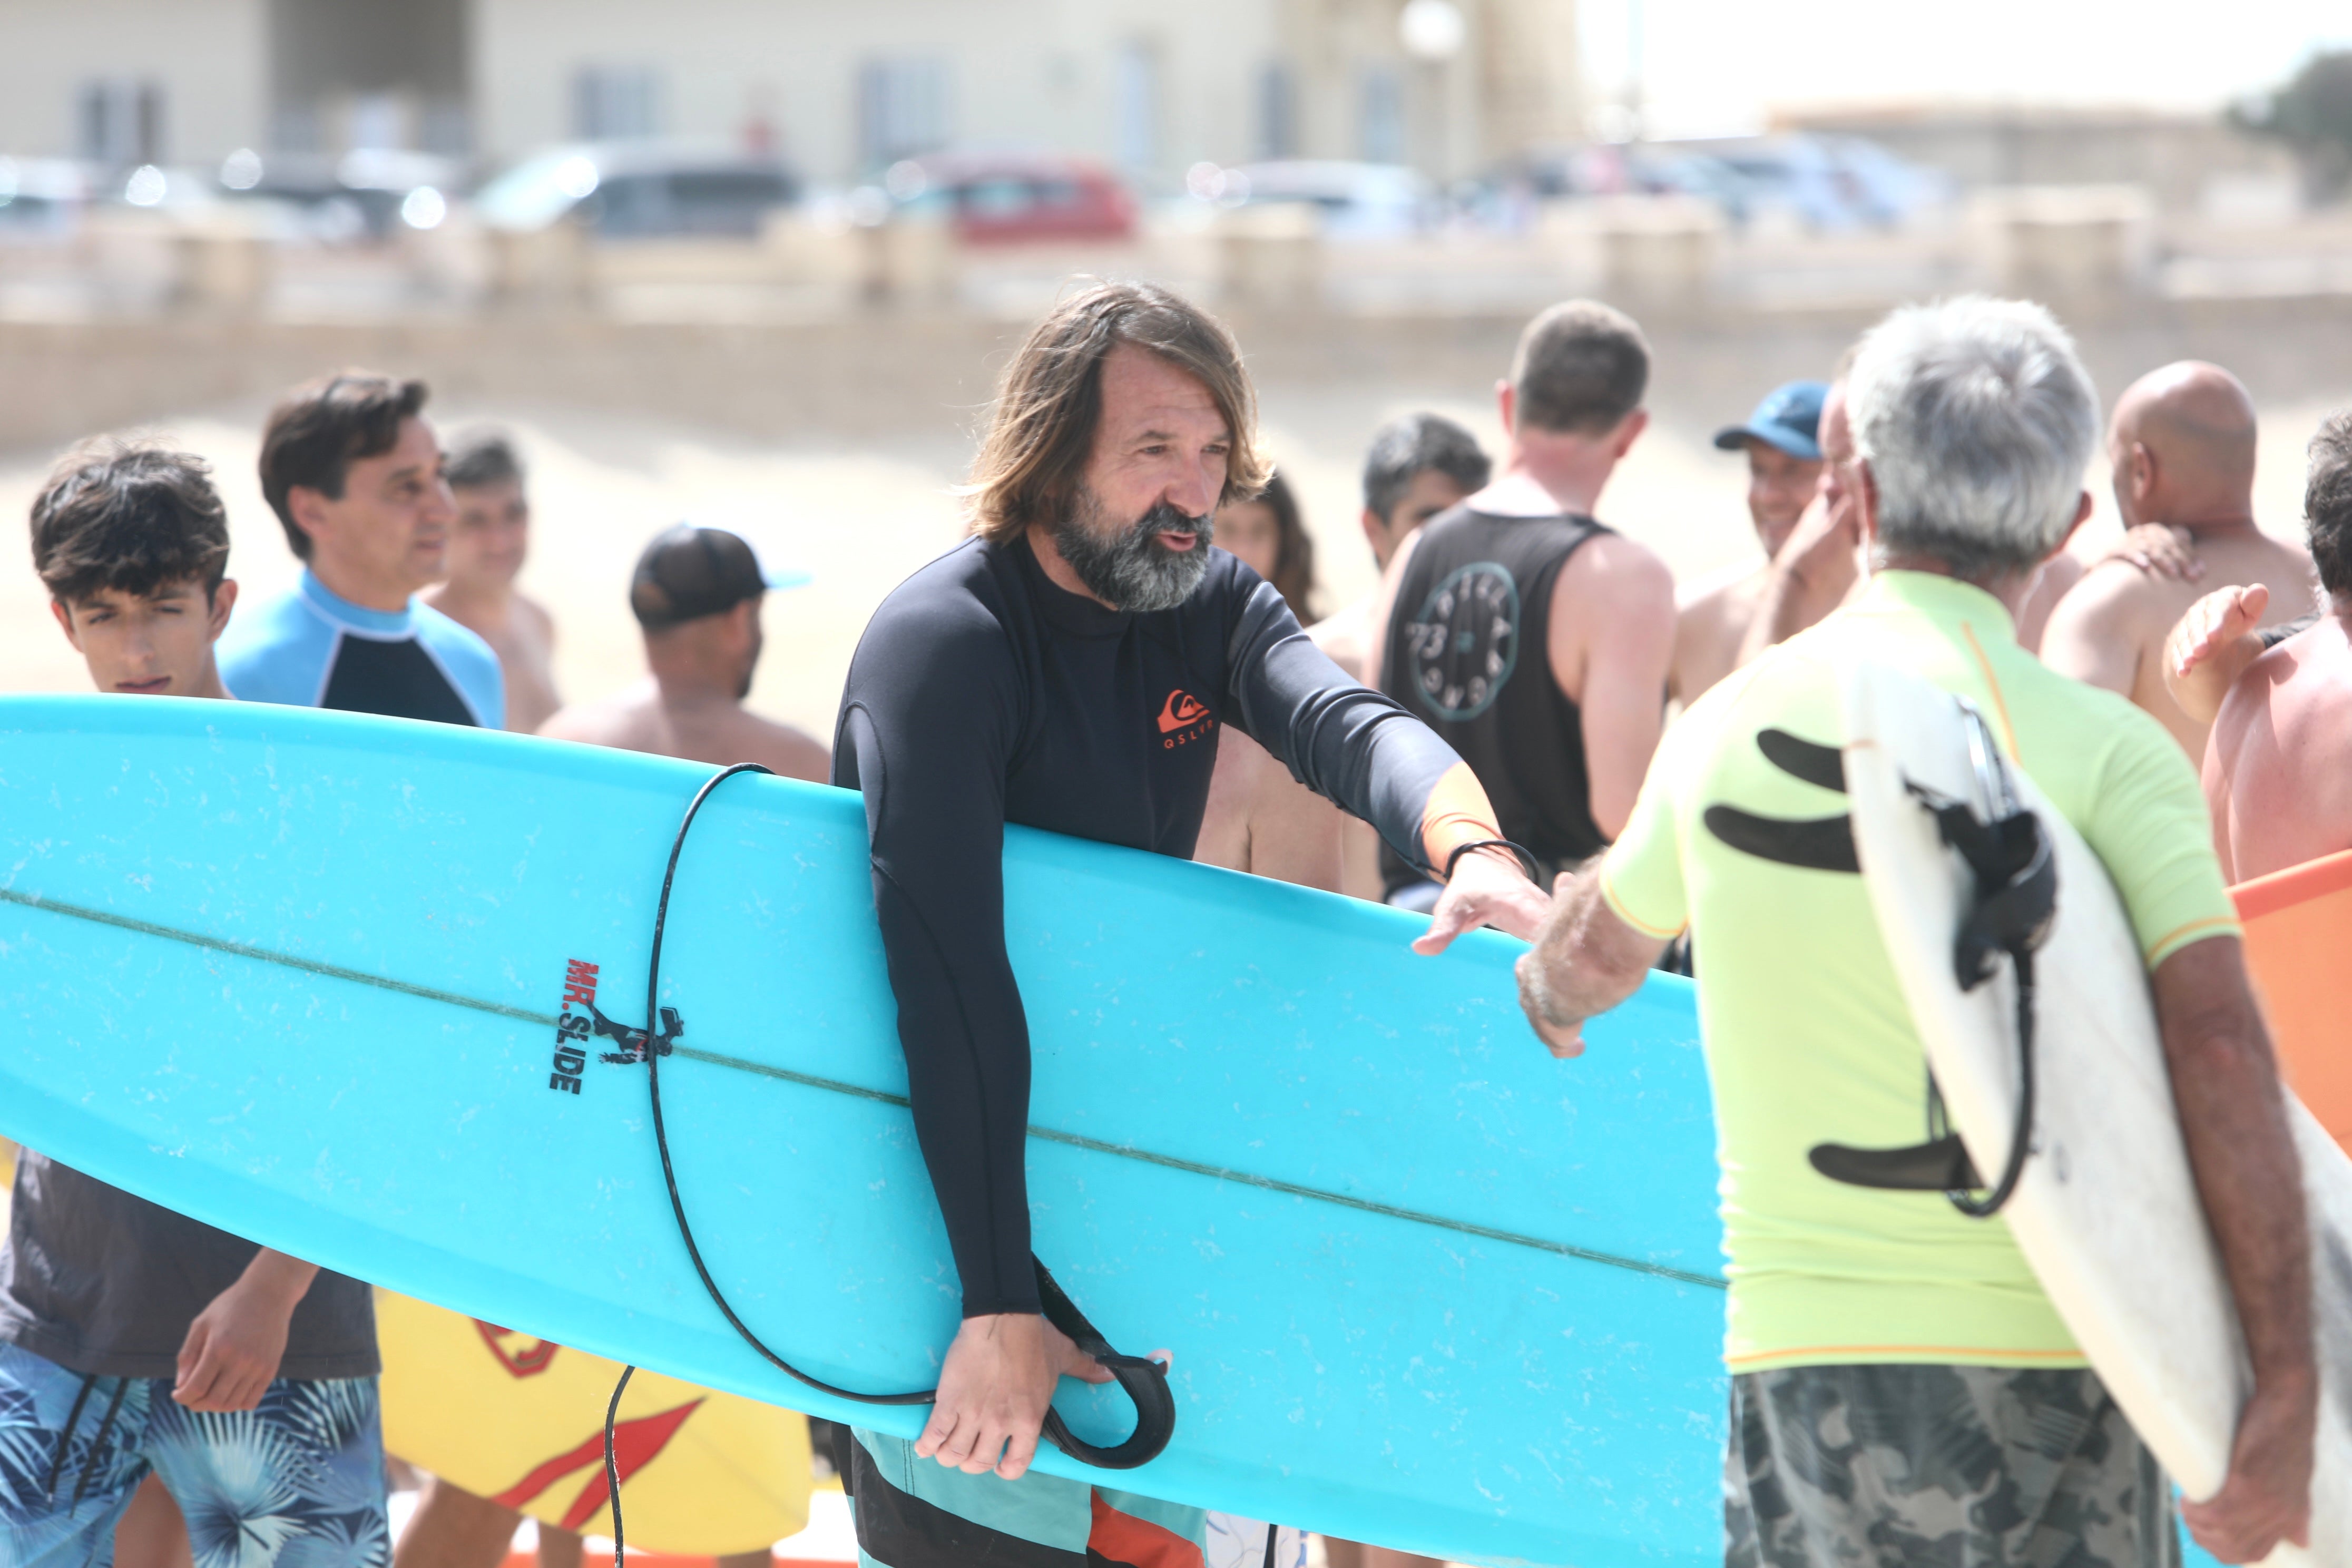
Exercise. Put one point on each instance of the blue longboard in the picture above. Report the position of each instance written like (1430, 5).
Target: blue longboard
(315, 978)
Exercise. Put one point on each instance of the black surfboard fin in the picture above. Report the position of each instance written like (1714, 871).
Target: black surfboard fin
(1941, 1165)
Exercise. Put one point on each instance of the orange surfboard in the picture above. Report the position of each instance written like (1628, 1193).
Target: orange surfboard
(2299, 946)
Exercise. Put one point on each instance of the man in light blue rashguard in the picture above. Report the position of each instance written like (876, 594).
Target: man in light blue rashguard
(353, 472)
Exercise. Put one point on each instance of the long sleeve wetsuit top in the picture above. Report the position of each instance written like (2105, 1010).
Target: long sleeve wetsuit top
(982, 694)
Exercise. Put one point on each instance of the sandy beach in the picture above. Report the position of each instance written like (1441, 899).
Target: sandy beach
(860, 517)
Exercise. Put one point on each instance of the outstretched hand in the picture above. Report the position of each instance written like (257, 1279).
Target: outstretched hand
(2210, 646)
(2213, 623)
(1487, 888)
(993, 1391)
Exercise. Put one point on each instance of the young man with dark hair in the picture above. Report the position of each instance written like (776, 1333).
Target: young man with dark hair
(1418, 465)
(696, 594)
(353, 472)
(1070, 668)
(1532, 638)
(487, 550)
(134, 1340)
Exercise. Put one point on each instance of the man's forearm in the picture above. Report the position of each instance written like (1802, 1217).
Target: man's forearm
(2233, 1118)
(283, 1278)
(1585, 960)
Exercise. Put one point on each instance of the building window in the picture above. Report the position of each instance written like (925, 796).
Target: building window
(1278, 111)
(902, 108)
(1380, 131)
(1135, 78)
(614, 103)
(120, 123)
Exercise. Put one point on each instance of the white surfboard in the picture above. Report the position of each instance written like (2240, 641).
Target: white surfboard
(2106, 1210)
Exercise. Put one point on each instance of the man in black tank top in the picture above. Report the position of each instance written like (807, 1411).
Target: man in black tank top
(1530, 637)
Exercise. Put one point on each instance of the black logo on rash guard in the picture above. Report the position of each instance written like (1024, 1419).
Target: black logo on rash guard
(1465, 642)
(1810, 844)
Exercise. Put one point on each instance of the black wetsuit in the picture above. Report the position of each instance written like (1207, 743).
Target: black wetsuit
(982, 694)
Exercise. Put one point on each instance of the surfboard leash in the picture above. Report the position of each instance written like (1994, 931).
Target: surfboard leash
(1145, 1381)
(2016, 900)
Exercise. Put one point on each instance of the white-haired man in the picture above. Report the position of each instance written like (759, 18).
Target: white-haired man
(1903, 1390)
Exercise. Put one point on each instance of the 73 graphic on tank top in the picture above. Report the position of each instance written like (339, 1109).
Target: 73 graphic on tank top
(1465, 641)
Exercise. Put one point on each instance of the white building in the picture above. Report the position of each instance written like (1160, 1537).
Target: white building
(841, 87)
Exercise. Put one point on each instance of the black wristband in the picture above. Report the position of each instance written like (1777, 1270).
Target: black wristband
(1526, 858)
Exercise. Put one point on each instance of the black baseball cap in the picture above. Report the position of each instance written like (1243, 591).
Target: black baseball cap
(688, 573)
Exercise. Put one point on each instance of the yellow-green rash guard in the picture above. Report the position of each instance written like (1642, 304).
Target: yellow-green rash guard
(1807, 1035)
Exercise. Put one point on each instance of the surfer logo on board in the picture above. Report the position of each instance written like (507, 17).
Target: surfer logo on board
(632, 1042)
(1183, 718)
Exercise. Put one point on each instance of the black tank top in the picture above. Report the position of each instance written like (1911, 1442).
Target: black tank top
(1466, 653)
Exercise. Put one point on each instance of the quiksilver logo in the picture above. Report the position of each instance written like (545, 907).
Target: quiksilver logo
(1184, 718)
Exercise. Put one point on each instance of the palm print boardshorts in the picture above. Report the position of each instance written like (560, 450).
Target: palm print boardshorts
(297, 1482)
(1939, 1466)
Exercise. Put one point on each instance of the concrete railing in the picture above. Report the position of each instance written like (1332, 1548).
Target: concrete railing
(2083, 249)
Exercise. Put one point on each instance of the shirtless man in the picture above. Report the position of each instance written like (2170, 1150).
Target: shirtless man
(697, 593)
(487, 550)
(1534, 639)
(2181, 446)
(2281, 698)
(1783, 442)
(1418, 465)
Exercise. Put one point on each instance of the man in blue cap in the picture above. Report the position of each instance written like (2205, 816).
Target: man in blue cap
(1782, 440)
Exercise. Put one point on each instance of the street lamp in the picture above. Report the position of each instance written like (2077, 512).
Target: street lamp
(1431, 31)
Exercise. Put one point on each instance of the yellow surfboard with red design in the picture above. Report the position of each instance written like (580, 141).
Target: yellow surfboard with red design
(2299, 945)
(521, 1421)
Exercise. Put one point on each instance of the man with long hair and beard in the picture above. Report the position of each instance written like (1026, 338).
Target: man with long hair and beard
(1070, 667)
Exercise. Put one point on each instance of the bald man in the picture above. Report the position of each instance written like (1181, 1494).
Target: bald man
(2181, 447)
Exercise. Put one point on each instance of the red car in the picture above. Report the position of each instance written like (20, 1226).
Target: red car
(1011, 198)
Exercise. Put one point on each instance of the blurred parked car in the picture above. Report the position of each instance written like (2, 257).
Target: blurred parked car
(1010, 198)
(1357, 200)
(363, 194)
(1821, 181)
(1829, 181)
(1610, 169)
(42, 198)
(640, 190)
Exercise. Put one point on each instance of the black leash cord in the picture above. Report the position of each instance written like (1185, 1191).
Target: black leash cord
(1145, 1382)
(612, 1465)
(661, 1134)
(2021, 1137)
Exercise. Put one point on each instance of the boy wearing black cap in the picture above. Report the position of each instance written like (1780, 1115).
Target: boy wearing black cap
(1782, 440)
(696, 594)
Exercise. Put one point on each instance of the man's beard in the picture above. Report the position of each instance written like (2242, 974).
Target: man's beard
(1130, 570)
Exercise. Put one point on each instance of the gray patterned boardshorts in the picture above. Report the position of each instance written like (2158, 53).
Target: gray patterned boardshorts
(1939, 1466)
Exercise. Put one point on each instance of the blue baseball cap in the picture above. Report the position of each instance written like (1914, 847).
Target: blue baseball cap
(1789, 418)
